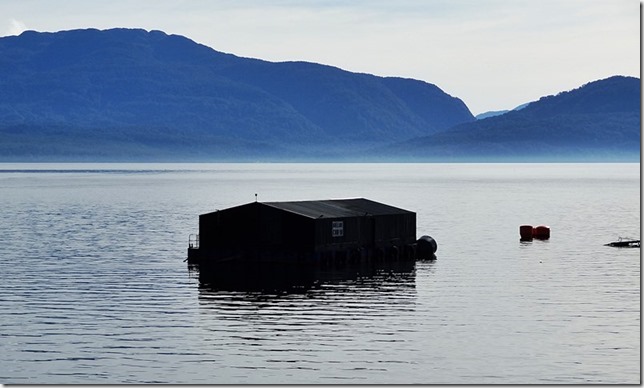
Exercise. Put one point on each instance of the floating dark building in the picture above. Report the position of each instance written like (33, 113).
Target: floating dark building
(312, 232)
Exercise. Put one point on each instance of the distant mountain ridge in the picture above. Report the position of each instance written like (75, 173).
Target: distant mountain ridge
(599, 121)
(493, 113)
(134, 95)
(137, 95)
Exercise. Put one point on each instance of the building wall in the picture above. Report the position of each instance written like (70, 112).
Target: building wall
(366, 231)
(233, 226)
(354, 231)
(254, 225)
(257, 227)
(279, 228)
(397, 228)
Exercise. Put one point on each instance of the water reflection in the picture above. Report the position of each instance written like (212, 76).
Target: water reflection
(331, 323)
(300, 278)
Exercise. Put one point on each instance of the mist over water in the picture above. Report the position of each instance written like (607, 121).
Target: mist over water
(95, 288)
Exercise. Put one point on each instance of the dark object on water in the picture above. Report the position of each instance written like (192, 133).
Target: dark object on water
(527, 232)
(319, 232)
(541, 232)
(426, 247)
(621, 243)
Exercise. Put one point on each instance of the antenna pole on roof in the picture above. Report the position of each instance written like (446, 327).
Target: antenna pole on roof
(255, 197)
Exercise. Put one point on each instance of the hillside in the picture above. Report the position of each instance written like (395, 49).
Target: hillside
(135, 95)
(599, 121)
(493, 113)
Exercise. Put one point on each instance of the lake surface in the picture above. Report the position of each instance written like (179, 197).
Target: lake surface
(95, 288)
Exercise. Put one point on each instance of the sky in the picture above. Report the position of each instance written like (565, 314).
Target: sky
(492, 54)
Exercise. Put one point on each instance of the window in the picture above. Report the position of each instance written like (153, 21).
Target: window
(337, 228)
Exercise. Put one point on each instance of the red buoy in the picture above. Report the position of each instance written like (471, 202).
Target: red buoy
(525, 231)
(541, 232)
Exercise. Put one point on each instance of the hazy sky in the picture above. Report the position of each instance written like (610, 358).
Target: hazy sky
(493, 54)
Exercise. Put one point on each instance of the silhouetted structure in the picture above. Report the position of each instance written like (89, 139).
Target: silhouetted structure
(308, 232)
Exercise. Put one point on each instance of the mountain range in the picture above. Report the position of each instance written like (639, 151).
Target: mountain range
(493, 113)
(599, 121)
(136, 95)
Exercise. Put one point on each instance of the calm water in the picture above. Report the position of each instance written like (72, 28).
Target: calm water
(94, 288)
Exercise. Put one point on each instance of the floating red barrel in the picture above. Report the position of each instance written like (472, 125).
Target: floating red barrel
(541, 232)
(526, 232)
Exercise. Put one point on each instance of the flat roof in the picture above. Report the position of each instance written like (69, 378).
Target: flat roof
(337, 208)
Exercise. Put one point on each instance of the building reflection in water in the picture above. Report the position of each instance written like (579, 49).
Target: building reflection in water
(300, 278)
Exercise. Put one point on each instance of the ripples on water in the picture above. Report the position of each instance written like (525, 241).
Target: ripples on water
(95, 289)
(286, 334)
